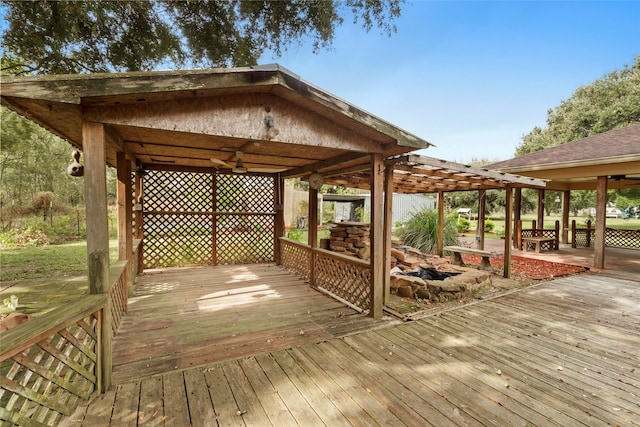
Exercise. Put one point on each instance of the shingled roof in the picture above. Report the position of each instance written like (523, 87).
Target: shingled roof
(576, 164)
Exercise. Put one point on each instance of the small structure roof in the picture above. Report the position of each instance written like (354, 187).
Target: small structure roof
(576, 165)
(178, 119)
(421, 174)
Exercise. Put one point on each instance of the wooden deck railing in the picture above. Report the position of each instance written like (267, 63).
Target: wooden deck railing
(613, 237)
(53, 362)
(344, 277)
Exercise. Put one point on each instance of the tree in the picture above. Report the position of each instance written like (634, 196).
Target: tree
(608, 103)
(80, 36)
(33, 160)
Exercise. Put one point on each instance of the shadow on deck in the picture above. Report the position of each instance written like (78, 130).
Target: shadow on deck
(187, 317)
(562, 353)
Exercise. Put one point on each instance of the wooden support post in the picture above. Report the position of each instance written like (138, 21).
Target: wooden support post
(439, 243)
(517, 217)
(601, 222)
(376, 237)
(312, 239)
(388, 224)
(278, 228)
(573, 233)
(541, 208)
(482, 204)
(507, 232)
(566, 200)
(125, 217)
(95, 195)
(138, 218)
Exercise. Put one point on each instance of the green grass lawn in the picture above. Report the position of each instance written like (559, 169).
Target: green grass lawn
(69, 259)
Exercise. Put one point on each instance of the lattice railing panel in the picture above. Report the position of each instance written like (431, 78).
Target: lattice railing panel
(245, 239)
(170, 191)
(46, 381)
(177, 240)
(244, 194)
(118, 294)
(296, 257)
(622, 238)
(348, 278)
(584, 237)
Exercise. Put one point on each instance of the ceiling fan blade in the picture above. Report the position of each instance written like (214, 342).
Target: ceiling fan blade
(267, 170)
(221, 163)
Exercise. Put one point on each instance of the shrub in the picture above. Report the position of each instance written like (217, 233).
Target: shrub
(463, 225)
(489, 225)
(421, 231)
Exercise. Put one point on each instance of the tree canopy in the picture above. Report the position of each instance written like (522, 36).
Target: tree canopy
(88, 36)
(606, 104)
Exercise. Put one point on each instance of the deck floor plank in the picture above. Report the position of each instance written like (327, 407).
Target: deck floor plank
(377, 383)
(224, 403)
(562, 353)
(199, 399)
(248, 403)
(285, 388)
(176, 409)
(269, 397)
(125, 408)
(318, 402)
(353, 413)
(151, 412)
(349, 384)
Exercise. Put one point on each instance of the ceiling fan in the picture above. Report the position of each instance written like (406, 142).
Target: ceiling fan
(619, 178)
(239, 167)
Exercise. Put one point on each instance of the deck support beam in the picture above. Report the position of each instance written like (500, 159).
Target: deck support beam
(440, 242)
(517, 218)
(377, 236)
(95, 193)
(125, 216)
(566, 201)
(540, 209)
(278, 230)
(388, 224)
(482, 209)
(508, 230)
(601, 222)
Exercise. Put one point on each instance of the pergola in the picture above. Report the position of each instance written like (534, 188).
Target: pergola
(606, 160)
(209, 130)
(257, 121)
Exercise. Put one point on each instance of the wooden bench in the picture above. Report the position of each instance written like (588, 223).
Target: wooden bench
(457, 252)
(537, 242)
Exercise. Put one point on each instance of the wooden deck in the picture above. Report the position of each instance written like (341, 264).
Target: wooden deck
(187, 317)
(562, 353)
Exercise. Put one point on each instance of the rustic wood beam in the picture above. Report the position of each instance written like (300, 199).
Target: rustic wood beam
(517, 217)
(482, 209)
(376, 237)
(95, 190)
(388, 224)
(278, 190)
(601, 222)
(304, 170)
(440, 241)
(137, 212)
(508, 230)
(237, 116)
(125, 216)
(540, 209)
(566, 202)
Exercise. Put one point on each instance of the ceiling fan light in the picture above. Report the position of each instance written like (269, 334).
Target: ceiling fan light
(239, 167)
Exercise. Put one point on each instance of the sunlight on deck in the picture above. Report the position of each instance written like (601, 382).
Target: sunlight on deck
(236, 297)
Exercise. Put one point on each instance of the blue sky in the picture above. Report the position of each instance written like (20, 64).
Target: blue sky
(473, 77)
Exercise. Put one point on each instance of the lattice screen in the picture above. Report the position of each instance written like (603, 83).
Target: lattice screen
(245, 224)
(181, 216)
